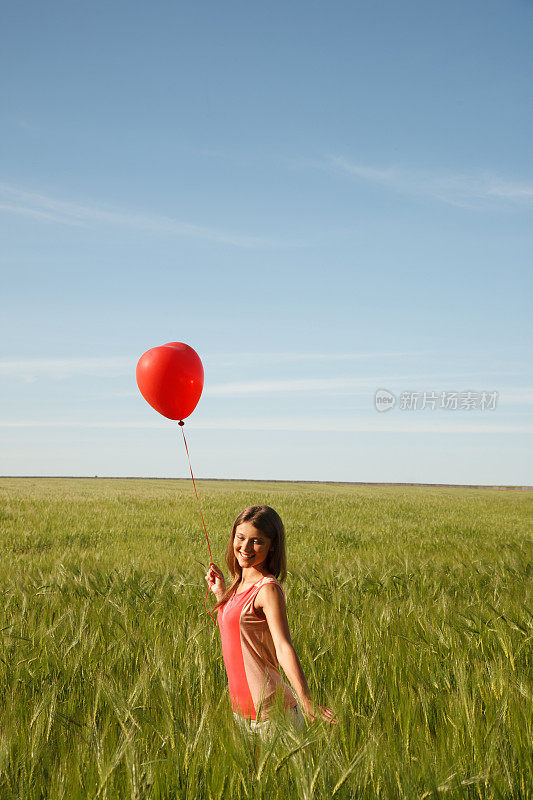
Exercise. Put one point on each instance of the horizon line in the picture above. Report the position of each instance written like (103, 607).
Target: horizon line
(495, 486)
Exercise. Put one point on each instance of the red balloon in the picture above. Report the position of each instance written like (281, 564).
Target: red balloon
(171, 379)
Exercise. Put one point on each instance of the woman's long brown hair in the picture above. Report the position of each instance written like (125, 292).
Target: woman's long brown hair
(268, 521)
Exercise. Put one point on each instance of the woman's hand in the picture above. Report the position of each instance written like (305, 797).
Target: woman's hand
(215, 581)
(311, 711)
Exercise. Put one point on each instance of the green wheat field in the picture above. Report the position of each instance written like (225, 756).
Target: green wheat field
(410, 609)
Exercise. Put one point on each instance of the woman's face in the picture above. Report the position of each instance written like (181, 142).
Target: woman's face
(250, 545)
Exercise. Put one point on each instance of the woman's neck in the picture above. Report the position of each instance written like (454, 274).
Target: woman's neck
(251, 575)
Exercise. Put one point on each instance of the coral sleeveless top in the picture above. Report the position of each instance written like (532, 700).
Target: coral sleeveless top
(250, 655)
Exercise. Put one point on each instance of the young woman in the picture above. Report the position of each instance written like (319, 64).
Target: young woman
(253, 622)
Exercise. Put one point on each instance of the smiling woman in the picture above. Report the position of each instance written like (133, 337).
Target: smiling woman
(253, 622)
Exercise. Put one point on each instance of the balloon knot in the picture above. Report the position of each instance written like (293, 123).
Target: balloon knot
(181, 423)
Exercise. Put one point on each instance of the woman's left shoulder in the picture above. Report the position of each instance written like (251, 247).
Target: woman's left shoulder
(270, 591)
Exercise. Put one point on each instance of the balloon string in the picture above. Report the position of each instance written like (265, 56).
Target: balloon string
(181, 424)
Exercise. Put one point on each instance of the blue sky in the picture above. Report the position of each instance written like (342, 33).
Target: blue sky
(323, 200)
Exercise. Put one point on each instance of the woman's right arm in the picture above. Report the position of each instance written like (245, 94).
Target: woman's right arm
(215, 581)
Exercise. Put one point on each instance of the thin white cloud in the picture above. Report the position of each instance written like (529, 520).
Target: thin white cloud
(290, 386)
(35, 213)
(518, 395)
(232, 359)
(42, 207)
(454, 189)
(30, 369)
(369, 424)
(422, 382)
(408, 424)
